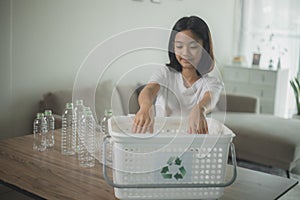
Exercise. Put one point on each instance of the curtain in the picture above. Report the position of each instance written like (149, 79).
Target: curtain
(272, 29)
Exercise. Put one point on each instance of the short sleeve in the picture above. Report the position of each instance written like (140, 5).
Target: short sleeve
(159, 76)
(214, 86)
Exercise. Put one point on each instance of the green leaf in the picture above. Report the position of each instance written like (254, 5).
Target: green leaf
(298, 84)
(296, 88)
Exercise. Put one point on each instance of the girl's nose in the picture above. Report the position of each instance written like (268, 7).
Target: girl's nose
(185, 51)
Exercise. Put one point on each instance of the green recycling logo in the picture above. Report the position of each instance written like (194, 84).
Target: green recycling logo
(171, 163)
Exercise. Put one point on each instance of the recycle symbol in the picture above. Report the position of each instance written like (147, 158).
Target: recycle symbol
(173, 161)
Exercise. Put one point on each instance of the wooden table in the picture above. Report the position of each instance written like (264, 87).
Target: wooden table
(51, 175)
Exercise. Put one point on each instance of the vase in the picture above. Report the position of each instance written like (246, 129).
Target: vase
(270, 64)
(278, 64)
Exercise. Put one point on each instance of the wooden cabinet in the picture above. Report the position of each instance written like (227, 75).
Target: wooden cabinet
(269, 85)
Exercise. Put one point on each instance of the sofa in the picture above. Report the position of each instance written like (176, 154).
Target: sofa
(260, 138)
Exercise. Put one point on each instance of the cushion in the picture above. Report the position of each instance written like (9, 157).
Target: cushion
(57, 100)
(103, 98)
(129, 97)
(116, 103)
(266, 139)
(238, 103)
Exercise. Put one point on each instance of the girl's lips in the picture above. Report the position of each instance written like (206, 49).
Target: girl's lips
(185, 60)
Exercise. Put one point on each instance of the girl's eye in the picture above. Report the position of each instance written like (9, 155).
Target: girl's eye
(194, 47)
(178, 47)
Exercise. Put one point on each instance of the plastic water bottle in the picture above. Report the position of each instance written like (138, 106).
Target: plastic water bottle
(104, 122)
(68, 134)
(50, 127)
(87, 140)
(81, 130)
(104, 130)
(39, 132)
(79, 112)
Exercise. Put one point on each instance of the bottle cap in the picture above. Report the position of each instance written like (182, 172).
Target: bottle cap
(39, 115)
(86, 108)
(69, 105)
(48, 112)
(79, 102)
(88, 112)
(108, 112)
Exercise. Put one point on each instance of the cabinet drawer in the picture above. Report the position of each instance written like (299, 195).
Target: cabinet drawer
(236, 75)
(243, 89)
(263, 77)
(270, 86)
(264, 93)
(232, 88)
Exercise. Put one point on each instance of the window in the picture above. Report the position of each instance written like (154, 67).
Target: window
(271, 28)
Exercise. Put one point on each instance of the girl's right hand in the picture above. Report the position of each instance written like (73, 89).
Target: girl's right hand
(143, 121)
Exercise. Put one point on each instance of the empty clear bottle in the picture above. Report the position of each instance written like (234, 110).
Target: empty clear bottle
(68, 134)
(104, 130)
(79, 112)
(87, 140)
(104, 122)
(50, 127)
(39, 132)
(81, 130)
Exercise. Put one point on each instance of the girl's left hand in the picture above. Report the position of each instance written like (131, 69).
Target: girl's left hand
(197, 121)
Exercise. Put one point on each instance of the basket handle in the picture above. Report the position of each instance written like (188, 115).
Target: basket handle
(106, 140)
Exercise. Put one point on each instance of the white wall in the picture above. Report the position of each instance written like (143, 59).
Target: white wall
(50, 38)
(5, 70)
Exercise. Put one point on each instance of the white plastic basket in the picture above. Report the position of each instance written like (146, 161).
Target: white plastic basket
(169, 163)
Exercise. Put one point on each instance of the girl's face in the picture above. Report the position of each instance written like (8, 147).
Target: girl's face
(188, 49)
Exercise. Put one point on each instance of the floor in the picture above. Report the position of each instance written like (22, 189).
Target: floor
(10, 194)
(294, 194)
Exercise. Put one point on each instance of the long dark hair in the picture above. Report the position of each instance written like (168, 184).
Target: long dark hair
(201, 30)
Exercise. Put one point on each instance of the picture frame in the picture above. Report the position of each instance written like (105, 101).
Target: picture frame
(256, 59)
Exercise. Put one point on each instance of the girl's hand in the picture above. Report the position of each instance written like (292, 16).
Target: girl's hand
(197, 121)
(143, 121)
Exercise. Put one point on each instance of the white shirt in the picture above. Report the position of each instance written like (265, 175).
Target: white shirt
(175, 99)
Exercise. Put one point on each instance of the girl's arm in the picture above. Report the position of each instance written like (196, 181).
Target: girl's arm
(197, 120)
(206, 102)
(143, 120)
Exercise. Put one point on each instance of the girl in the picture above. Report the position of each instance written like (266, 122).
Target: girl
(183, 87)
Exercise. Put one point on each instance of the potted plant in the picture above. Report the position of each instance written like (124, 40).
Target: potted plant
(296, 87)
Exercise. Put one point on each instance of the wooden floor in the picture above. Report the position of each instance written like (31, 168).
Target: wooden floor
(7, 193)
